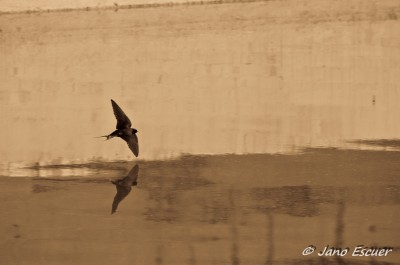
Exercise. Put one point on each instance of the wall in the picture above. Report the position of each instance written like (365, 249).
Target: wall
(260, 77)
(40, 5)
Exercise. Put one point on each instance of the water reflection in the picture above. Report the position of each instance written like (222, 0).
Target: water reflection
(124, 187)
(390, 143)
(250, 209)
(169, 182)
(295, 201)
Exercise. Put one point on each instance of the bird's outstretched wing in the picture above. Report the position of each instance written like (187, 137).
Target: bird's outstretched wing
(133, 175)
(133, 143)
(122, 192)
(122, 120)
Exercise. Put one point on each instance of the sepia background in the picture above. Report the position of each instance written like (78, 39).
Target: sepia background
(264, 127)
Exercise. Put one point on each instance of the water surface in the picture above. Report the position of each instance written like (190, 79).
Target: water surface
(250, 209)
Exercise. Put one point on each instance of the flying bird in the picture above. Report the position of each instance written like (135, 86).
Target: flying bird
(124, 187)
(124, 129)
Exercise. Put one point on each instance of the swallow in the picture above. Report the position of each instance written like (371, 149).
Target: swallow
(124, 187)
(124, 130)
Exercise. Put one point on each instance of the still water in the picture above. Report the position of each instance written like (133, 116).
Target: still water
(231, 209)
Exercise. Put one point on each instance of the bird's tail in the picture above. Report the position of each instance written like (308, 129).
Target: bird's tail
(106, 136)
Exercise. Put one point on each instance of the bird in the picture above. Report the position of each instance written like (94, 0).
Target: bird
(124, 187)
(124, 130)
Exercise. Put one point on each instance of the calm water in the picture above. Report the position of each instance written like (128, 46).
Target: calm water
(251, 209)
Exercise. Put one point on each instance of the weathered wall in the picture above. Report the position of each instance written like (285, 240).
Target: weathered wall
(40, 5)
(229, 78)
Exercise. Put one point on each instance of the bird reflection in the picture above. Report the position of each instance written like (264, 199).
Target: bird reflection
(124, 187)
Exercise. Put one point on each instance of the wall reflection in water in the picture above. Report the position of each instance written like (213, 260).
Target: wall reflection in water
(252, 209)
